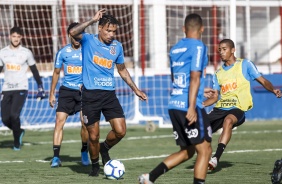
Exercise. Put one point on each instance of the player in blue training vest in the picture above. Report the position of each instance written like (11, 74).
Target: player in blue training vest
(100, 54)
(69, 100)
(191, 128)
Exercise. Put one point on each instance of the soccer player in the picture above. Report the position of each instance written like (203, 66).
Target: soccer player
(232, 95)
(191, 128)
(69, 100)
(15, 59)
(101, 53)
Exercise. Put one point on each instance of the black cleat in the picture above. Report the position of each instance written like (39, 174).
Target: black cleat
(95, 172)
(276, 176)
(104, 154)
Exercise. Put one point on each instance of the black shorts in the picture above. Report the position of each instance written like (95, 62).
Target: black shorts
(95, 102)
(190, 135)
(217, 116)
(69, 100)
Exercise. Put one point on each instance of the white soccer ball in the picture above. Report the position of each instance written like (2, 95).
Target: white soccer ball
(114, 169)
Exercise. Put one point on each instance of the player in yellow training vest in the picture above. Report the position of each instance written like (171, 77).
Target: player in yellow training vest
(232, 95)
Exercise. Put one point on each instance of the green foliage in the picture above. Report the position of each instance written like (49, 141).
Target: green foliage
(249, 157)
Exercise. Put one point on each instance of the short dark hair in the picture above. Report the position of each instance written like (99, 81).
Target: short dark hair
(229, 42)
(71, 26)
(16, 29)
(193, 21)
(108, 19)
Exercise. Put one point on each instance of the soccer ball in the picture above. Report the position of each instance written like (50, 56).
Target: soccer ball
(114, 169)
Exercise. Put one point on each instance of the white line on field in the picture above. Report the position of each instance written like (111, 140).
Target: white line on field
(157, 137)
(154, 156)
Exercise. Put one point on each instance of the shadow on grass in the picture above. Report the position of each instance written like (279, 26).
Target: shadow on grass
(7, 144)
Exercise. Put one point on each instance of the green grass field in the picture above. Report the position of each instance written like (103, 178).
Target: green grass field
(249, 157)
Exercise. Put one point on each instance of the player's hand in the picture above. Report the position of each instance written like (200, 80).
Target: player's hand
(52, 100)
(277, 93)
(142, 96)
(191, 116)
(209, 92)
(99, 14)
(41, 93)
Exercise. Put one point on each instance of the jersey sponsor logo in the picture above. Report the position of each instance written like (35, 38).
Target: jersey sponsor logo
(179, 63)
(175, 135)
(228, 102)
(103, 81)
(179, 79)
(193, 133)
(106, 63)
(177, 92)
(228, 87)
(177, 103)
(13, 67)
(113, 50)
(74, 69)
(12, 85)
(179, 50)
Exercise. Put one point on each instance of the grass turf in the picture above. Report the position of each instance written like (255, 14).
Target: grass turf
(248, 158)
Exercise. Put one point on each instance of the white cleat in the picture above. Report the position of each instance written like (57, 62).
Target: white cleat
(212, 163)
(144, 179)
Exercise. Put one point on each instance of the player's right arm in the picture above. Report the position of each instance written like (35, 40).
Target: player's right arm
(76, 32)
(55, 78)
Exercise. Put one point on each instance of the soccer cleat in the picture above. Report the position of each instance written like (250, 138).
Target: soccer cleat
(104, 154)
(212, 163)
(21, 137)
(84, 158)
(95, 172)
(144, 179)
(16, 149)
(276, 176)
(56, 162)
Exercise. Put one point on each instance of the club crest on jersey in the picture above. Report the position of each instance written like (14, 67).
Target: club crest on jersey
(113, 50)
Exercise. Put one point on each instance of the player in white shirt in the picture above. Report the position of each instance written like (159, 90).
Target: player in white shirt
(15, 60)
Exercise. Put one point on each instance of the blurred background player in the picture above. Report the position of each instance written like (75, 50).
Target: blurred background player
(191, 128)
(276, 176)
(15, 59)
(101, 52)
(69, 100)
(232, 95)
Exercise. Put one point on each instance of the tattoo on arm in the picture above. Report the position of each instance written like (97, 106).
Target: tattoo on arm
(126, 76)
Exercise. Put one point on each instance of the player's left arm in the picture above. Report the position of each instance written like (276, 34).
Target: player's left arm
(268, 85)
(123, 72)
(41, 93)
(254, 74)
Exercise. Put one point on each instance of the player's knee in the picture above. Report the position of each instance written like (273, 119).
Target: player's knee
(228, 123)
(94, 138)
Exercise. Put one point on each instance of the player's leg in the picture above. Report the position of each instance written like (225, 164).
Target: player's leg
(173, 160)
(58, 138)
(94, 147)
(17, 104)
(234, 117)
(113, 113)
(91, 104)
(204, 151)
(6, 112)
(84, 141)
